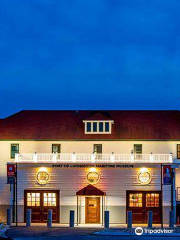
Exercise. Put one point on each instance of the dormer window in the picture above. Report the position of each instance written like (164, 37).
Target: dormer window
(98, 127)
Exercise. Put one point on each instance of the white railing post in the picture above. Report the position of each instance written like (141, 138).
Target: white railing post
(112, 158)
(170, 157)
(54, 158)
(132, 156)
(74, 157)
(151, 157)
(16, 157)
(93, 157)
(35, 157)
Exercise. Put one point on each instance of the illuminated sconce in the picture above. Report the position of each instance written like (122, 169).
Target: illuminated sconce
(35, 157)
(151, 158)
(132, 156)
(54, 158)
(93, 157)
(74, 157)
(170, 157)
(112, 157)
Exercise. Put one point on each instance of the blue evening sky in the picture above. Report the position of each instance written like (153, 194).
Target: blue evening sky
(89, 54)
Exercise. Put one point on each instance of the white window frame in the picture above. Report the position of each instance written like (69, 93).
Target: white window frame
(98, 121)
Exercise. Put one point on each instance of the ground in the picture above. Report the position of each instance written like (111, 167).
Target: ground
(41, 233)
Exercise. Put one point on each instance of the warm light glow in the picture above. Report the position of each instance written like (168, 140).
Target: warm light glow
(143, 170)
(92, 169)
(43, 169)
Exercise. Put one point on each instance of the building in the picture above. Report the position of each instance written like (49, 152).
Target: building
(91, 161)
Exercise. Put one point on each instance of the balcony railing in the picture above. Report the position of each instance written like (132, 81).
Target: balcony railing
(93, 158)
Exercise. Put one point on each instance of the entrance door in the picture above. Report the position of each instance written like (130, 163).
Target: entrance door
(40, 202)
(92, 214)
(142, 202)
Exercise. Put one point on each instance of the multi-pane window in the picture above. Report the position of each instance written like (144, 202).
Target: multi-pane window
(137, 148)
(98, 127)
(135, 200)
(56, 148)
(14, 150)
(97, 148)
(33, 199)
(178, 151)
(49, 199)
(152, 200)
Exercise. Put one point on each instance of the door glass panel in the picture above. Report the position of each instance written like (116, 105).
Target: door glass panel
(135, 200)
(49, 199)
(33, 199)
(152, 200)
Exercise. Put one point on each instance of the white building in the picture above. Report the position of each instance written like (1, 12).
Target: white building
(91, 161)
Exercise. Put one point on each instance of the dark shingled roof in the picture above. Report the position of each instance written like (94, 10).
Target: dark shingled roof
(68, 125)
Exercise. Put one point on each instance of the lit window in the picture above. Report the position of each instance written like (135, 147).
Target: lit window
(49, 199)
(135, 200)
(33, 199)
(152, 200)
(178, 151)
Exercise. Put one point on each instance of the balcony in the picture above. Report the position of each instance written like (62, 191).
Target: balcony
(93, 158)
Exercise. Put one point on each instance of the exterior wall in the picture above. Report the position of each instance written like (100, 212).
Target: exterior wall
(158, 147)
(114, 182)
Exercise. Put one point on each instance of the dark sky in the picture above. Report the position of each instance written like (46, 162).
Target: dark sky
(89, 54)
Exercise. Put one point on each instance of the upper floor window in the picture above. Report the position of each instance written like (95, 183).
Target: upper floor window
(137, 148)
(56, 148)
(178, 151)
(98, 127)
(14, 150)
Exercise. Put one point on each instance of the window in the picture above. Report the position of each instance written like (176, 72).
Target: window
(135, 200)
(178, 151)
(49, 199)
(137, 148)
(98, 127)
(56, 148)
(88, 127)
(14, 150)
(33, 199)
(94, 126)
(98, 148)
(106, 126)
(152, 200)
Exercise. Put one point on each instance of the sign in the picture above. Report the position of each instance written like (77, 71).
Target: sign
(93, 178)
(42, 177)
(93, 165)
(167, 175)
(144, 178)
(11, 173)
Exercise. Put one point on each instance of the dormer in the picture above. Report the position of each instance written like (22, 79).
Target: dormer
(98, 123)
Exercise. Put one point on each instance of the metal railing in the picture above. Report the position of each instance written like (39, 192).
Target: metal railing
(90, 158)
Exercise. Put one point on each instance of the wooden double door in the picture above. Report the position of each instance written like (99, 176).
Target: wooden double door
(92, 209)
(40, 201)
(140, 202)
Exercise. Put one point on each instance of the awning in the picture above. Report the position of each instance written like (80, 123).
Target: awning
(90, 190)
